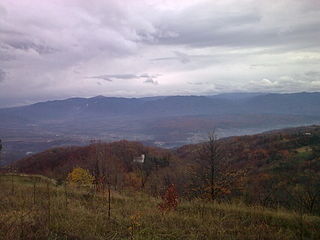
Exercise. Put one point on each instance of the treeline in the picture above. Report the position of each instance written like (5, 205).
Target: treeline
(275, 169)
(278, 169)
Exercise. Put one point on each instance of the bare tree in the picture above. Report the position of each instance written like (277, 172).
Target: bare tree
(0, 151)
(211, 154)
(103, 170)
(214, 176)
(0, 158)
(150, 167)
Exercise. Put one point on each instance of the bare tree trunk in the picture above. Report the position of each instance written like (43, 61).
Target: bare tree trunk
(12, 183)
(212, 183)
(66, 194)
(109, 201)
(49, 203)
(115, 182)
(301, 225)
(34, 192)
(211, 155)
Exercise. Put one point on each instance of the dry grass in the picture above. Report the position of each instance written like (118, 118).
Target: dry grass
(304, 149)
(135, 215)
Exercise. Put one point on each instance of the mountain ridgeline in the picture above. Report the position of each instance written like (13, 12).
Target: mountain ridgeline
(167, 122)
(75, 108)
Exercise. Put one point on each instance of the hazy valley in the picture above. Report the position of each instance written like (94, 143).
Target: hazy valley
(160, 121)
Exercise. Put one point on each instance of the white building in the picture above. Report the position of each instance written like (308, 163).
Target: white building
(139, 159)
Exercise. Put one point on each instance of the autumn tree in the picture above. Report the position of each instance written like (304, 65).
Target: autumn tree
(80, 176)
(169, 199)
(213, 175)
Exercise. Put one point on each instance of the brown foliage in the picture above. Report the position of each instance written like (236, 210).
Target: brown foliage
(170, 199)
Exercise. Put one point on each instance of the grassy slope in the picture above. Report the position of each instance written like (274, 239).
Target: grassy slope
(134, 215)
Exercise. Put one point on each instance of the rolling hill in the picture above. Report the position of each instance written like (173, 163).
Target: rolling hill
(277, 168)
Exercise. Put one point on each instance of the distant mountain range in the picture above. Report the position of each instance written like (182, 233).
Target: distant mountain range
(164, 121)
(100, 106)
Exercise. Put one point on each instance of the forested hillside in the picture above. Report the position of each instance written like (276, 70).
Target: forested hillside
(269, 169)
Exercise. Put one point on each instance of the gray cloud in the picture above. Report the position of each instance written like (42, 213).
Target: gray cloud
(182, 57)
(2, 75)
(110, 77)
(199, 83)
(313, 74)
(151, 81)
(199, 47)
(25, 45)
(309, 81)
(186, 58)
(179, 56)
(248, 24)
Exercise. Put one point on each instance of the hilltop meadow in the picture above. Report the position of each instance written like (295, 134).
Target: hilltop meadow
(35, 207)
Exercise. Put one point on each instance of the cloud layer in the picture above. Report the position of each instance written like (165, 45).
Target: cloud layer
(58, 49)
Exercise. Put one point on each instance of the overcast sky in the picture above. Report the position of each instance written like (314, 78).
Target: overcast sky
(64, 48)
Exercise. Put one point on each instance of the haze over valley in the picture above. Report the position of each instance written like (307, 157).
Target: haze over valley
(167, 122)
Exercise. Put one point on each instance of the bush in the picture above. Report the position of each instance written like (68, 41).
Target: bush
(80, 176)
